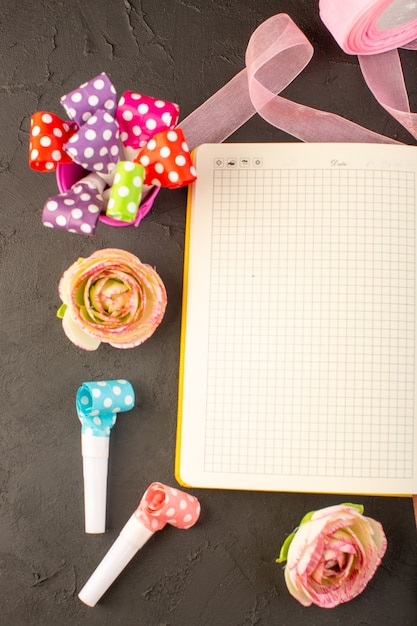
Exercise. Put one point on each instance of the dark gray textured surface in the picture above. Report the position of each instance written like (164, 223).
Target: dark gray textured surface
(222, 572)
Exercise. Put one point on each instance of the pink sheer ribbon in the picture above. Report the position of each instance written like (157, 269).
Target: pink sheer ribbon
(277, 52)
(391, 92)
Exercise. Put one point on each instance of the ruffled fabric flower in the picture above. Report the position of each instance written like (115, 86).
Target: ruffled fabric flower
(333, 555)
(111, 297)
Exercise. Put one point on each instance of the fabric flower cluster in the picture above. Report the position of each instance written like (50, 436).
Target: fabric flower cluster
(111, 157)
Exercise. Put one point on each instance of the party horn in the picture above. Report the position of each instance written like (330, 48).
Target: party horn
(160, 505)
(98, 404)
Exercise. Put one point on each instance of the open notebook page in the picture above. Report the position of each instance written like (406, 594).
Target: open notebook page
(298, 339)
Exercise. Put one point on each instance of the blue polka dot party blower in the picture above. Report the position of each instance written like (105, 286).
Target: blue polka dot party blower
(98, 404)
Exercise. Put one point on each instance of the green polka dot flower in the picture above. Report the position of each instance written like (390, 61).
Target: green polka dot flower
(126, 191)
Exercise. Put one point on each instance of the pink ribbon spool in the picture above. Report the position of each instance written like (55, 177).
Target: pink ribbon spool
(370, 26)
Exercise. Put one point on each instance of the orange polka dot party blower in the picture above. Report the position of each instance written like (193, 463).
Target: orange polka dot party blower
(159, 506)
(111, 297)
(110, 158)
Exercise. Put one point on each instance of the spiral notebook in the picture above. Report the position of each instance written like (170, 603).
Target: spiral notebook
(298, 349)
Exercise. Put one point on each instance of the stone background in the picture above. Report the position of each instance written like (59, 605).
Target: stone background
(222, 572)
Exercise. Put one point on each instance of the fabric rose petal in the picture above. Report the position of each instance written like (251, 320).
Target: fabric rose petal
(111, 297)
(160, 505)
(333, 555)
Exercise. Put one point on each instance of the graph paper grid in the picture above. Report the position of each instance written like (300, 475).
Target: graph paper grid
(311, 323)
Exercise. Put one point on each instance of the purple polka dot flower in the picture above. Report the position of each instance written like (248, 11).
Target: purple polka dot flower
(77, 210)
(96, 94)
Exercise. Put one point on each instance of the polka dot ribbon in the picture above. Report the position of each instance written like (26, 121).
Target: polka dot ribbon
(126, 191)
(76, 210)
(167, 160)
(100, 136)
(140, 117)
(96, 94)
(161, 505)
(98, 404)
(95, 146)
(48, 134)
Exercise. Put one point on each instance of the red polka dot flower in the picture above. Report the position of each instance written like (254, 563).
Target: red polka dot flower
(110, 157)
(48, 134)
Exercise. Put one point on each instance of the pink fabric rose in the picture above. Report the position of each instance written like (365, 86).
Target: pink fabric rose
(333, 555)
(111, 297)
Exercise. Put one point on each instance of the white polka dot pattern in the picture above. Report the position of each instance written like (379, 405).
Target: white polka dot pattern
(97, 93)
(140, 117)
(95, 146)
(91, 141)
(76, 210)
(47, 135)
(126, 191)
(98, 404)
(167, 160)
(163, 505)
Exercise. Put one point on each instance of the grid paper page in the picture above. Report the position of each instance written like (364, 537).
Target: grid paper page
(311, 324)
